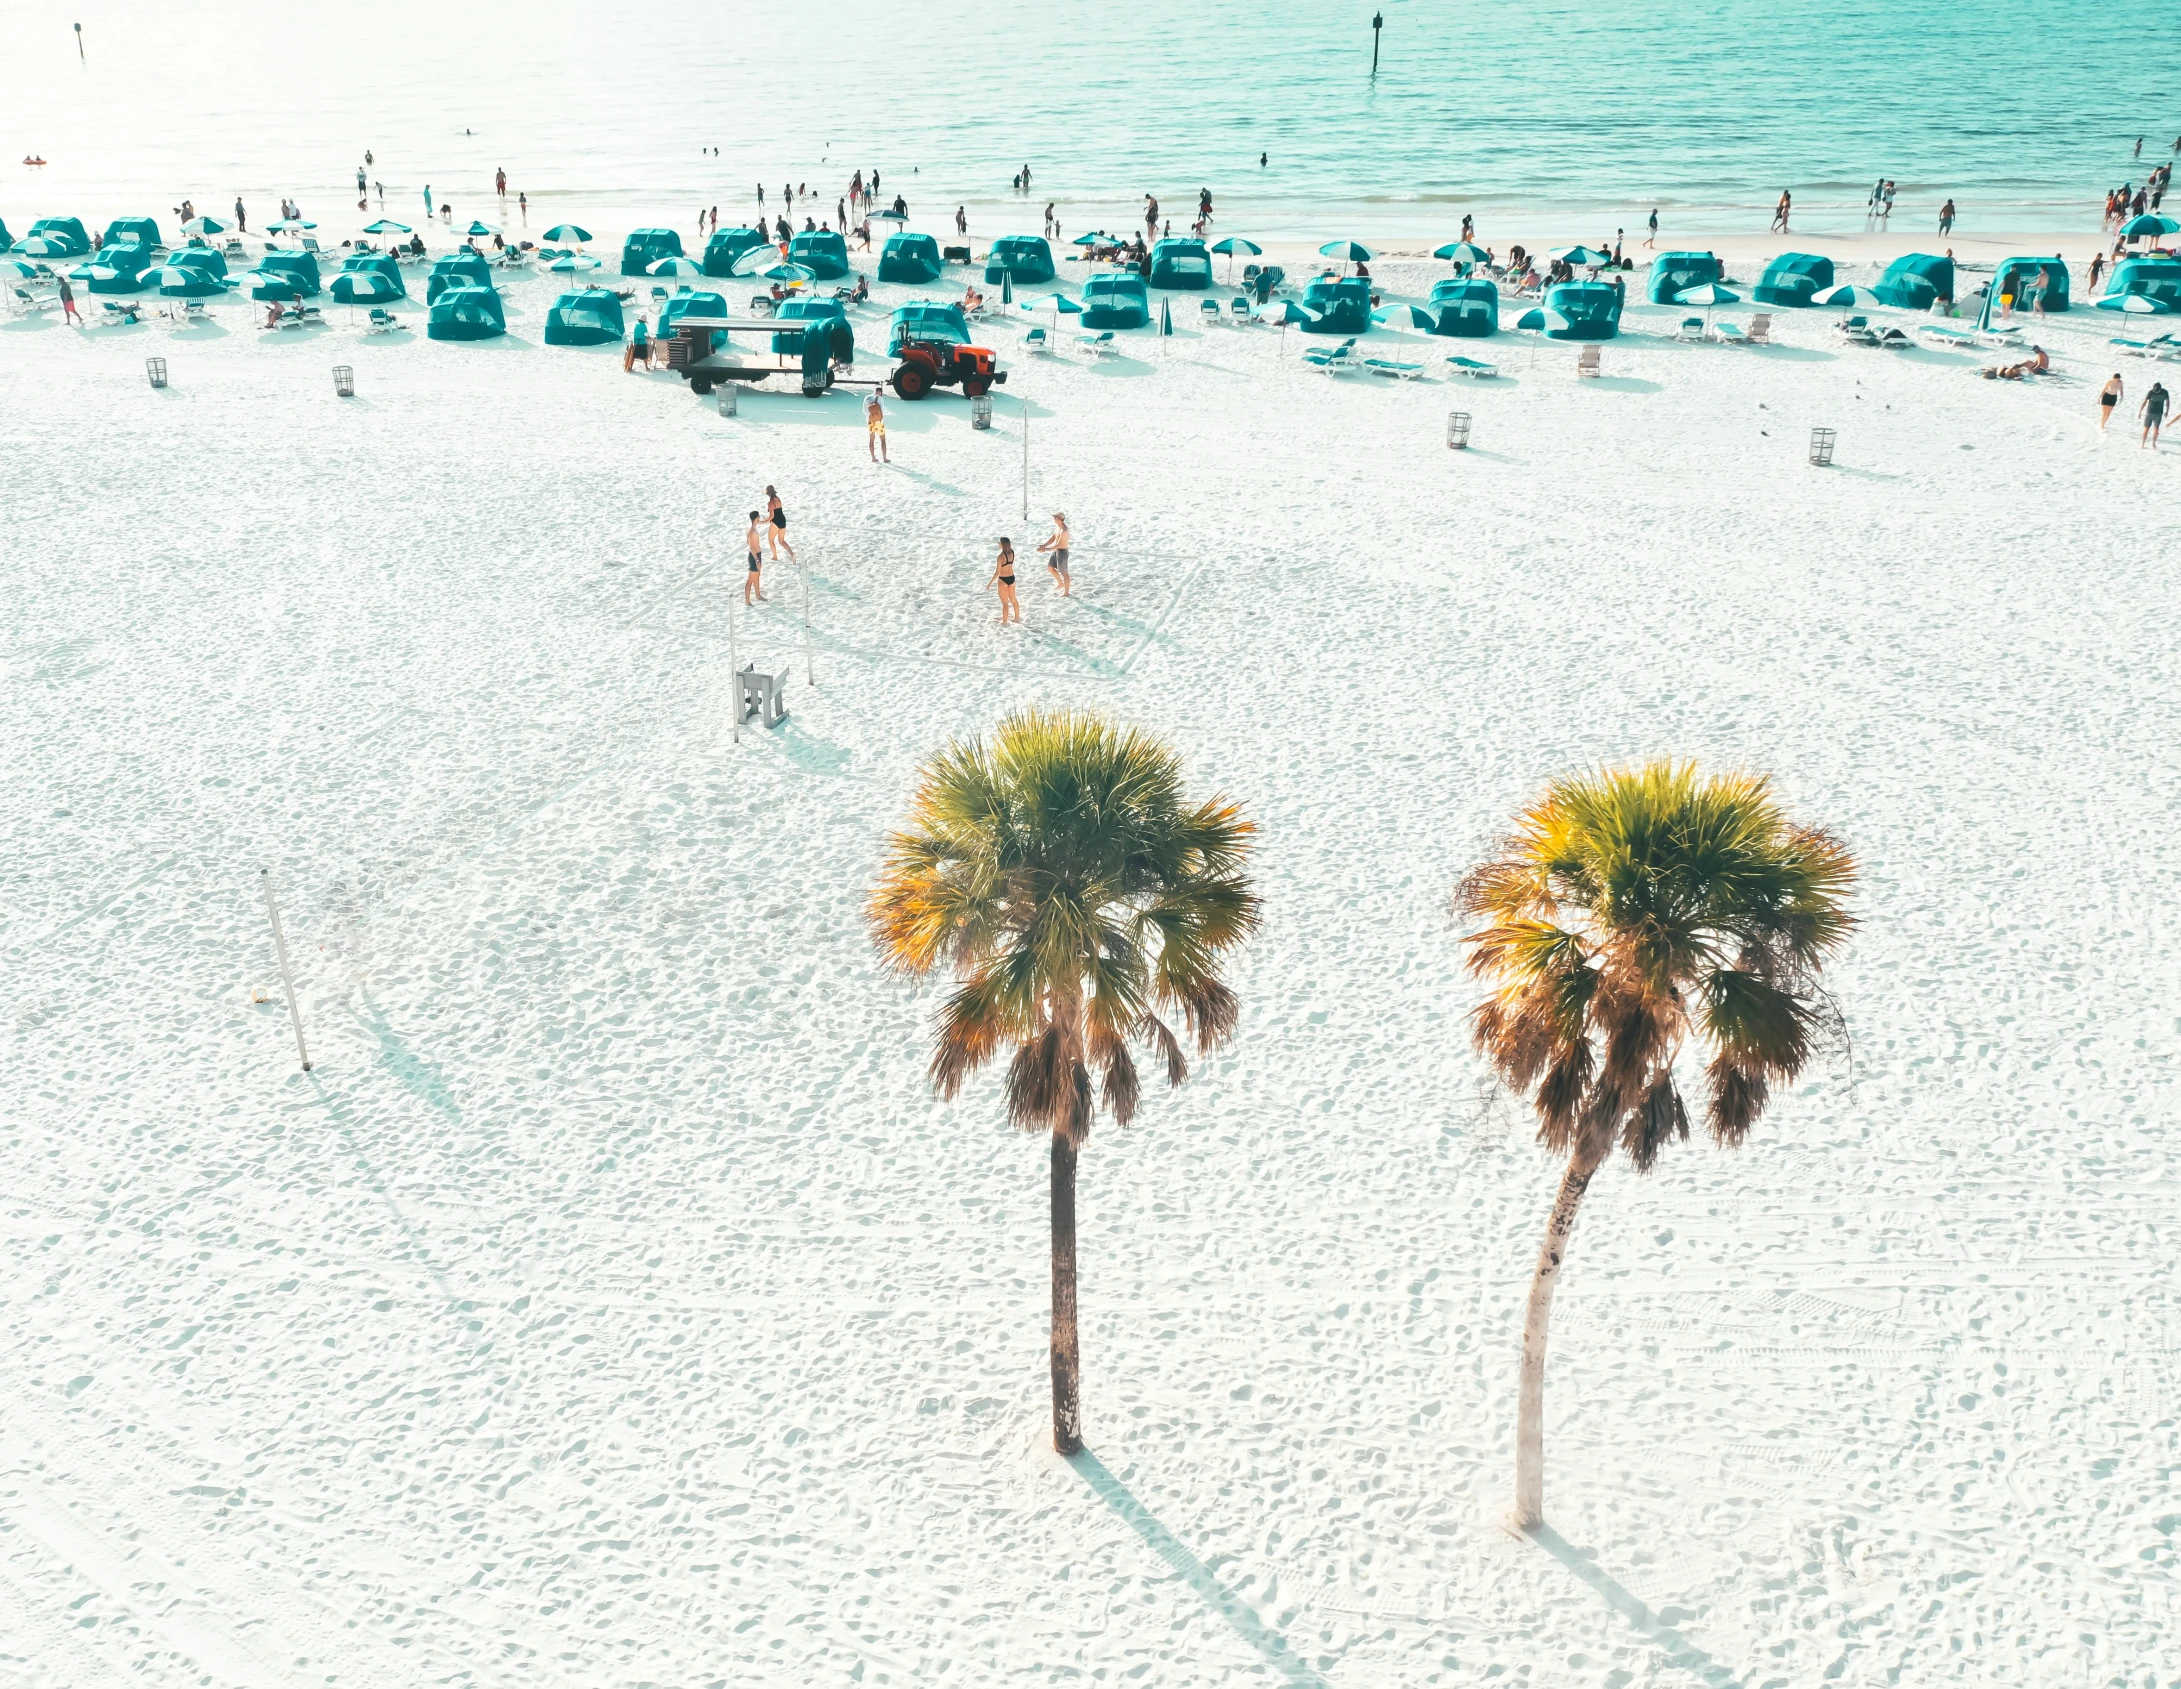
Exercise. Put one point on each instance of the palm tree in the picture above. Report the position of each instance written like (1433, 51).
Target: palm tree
(1633, 914)
(1075, 894)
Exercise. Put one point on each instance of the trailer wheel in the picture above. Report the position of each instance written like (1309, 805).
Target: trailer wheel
(912, 381)
(700, 385)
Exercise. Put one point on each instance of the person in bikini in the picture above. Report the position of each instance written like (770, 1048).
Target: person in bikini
(753, 583)
(1055, 546)
(1003, 577)
(779, 525)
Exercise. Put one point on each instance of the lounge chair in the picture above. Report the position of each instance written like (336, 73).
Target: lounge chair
(1209, 309)
(1729, 334)
(187, 311)
(1893, 340)
(310, 244)
(122, 310)
(28, 300)
(1394, 369)
(1946, 334)
(1333, 359)
(1857, 330)
(1099, 345)
(1760, 329)
(761, 304)
(1586, 362)
(1692, 328)
(1036, 343)
(383, 321)
(1238, 310)
(1476, 368)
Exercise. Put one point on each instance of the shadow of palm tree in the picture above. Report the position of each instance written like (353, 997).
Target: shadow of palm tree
(1198, 1576)
(1680, 1651)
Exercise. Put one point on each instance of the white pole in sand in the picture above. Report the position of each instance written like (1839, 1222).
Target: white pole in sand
(803, 569)
(287, 978)
(1025, 398)
(734, 673)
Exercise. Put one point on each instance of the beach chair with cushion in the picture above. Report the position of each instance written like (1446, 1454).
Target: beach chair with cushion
(30, 299)
(310, 244)
(761, 304)
(1035, 343)
(1760, 329)
(187, 311)
(122, 310)
(1729, 334)
(1394, 369)
(1099, 345)
(1586, 362)
(1894, 340)
(1692, 328)
(383, 321)
(1856, 330)
(1238, 310)
(1208, 309)
(1333, 359)
(1475, 368)
(1946, 335)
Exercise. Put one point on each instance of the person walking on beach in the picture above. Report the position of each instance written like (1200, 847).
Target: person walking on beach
(874, 425)
(2097, 269)
(1051, 228)
(1652, 238)
(1779, 212)
(1055, 547)
(753, 579)
(499, 183)
(429, 207)
(2153, 413)
(242, 220)
(1003, 577)
(1469, 226)
(777, 524)
(961, 220)
(639, 347)
(69, 312)
(1946, 218)
(2109, 396)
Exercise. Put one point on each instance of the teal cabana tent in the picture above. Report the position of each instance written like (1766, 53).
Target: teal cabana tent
(1116, 299)
(117, 269)
(909, 258)
(300, 269)
(67, 232)
(646, 247)
(689, 304)
(928, 319)
(465, 268)
(1794, 278)
(1338, 306)
(591, 317)
(123, 231)
(2154, 278)
(1916, 282)
(2031, 280)
(467, 313)
(1673, 271)
(726, 245)
(204, 258)
(188, 281)
(1026, 259)
(820, 251)
(805, 311)
(1464, 306)
(6, 240)
(369, 278)
(1184, 265)
(1584, 310)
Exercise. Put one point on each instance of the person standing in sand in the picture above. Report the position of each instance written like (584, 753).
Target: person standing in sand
(1779, 213)
(2108, 396)
(2153, 413)
(1946, 218)
(874, 423)
(1055, 546)
(1003, 577)
(1652, 238)
(777, 524)
(753, 580)
(69, 312)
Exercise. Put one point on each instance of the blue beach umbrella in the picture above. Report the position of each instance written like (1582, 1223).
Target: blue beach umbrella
(1053, 302)
(1347, 251)
(1580, 257)
(272, 286)
(889, 215)
(186, 281)
(754, 261)
(1848, 296)
(205, 226)
(387, 226)
(1090, 239)
(570, 263)
(42, 246)
(674, 267)
(477, 228)
(788, 274)
(2150, 223)
(1463, 252)
(1234, 244)
(1707, 293)
(568, 231)
(2135, 304)
(21, 269)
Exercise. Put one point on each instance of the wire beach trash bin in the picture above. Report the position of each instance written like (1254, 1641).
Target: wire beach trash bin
(155, 371)
(980, 411)
(344, 380)
(1821, 446)
(1457, 430)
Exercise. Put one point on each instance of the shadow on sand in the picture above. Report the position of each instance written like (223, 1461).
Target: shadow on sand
(1192, 1571)
(1655, 1628)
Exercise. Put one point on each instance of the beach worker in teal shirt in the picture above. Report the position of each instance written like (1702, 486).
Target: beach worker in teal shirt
(639, 347)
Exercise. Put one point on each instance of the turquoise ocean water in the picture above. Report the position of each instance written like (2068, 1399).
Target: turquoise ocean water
(1580, 116)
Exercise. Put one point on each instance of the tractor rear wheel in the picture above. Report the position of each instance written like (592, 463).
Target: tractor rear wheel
(912, 381)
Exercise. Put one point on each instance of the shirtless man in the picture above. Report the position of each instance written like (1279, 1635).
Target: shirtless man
(753, 582)
(1055, 545)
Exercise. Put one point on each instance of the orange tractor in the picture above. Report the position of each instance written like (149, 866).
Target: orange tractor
(926, 364)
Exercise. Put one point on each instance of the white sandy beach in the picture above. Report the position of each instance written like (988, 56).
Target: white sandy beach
(613, 1305)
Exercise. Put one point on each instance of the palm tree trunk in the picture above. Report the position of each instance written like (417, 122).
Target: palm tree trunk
(1529, 1508)
(1067, 1354)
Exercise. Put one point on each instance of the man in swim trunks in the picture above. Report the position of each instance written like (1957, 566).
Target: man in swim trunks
(1055, 545)
(753, 582)
(874, 422)
(2108, 397)
(2153, 412)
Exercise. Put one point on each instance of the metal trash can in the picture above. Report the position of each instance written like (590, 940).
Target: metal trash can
(344, 381)
(980, 411)
(1821, 446)
(729, 392)
(1457, 430)
(155, 371)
